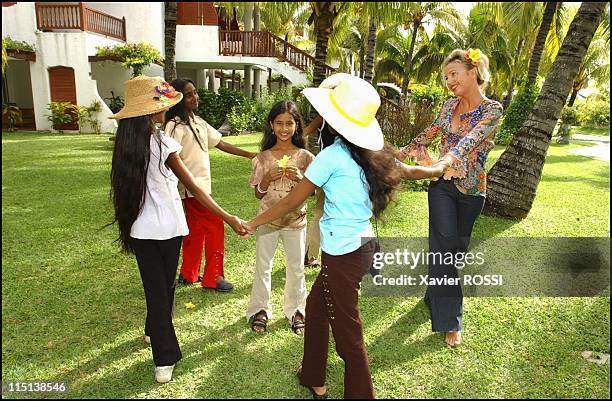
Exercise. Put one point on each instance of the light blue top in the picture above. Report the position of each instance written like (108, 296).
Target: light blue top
(347, 209)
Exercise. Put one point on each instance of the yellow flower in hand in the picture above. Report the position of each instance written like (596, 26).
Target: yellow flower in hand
(282, 163)
(189, 305)
(473, 55)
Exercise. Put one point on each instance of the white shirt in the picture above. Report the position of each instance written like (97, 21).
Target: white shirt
(161, 216)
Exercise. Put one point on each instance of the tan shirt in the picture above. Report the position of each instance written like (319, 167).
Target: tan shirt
(261, 164)
(195, 157)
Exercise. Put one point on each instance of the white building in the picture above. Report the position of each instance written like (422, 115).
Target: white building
(63, 66)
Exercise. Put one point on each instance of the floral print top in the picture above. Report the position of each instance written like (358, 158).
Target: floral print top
(470, 146)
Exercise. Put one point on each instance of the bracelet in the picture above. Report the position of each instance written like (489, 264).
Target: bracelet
(261, 190)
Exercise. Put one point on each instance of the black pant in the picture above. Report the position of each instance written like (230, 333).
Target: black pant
(157, 262)
(334, 301)
(451, 218)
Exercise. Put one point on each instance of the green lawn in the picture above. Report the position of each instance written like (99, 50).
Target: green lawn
(591, 131)
(73, 306)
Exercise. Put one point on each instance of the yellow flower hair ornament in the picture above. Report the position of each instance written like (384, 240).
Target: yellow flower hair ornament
(473, 56)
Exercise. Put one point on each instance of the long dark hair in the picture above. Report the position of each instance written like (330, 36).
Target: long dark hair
(380, 171)
(179, 109)
(129, 173)
(269, 138)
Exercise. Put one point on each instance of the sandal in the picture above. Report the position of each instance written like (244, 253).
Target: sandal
(315, 396)
(260, 319)
(297, 323)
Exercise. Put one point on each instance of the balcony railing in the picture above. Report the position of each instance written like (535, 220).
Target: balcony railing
(265, 44)
(51, 17)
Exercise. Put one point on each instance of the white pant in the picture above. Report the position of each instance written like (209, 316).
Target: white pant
(295, 283)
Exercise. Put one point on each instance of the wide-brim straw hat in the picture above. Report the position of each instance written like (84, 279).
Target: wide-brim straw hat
(147, 95)
(349, 105)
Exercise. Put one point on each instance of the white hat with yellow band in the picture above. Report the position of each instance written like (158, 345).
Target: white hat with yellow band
(349, 105)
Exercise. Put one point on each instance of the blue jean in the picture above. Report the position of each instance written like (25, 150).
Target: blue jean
(451, 219)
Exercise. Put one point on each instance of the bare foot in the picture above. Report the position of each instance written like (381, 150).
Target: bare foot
(453, 338)
(319, 390)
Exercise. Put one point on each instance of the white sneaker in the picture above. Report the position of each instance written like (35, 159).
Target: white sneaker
(147, 339)
(163, 374)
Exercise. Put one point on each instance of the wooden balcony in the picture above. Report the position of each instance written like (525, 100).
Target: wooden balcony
(51, 17)
(265, 44)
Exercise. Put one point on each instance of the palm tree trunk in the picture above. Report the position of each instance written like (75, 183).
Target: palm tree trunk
(369, 64)
(538, 48)
(169, 41)
(362, 56)
(257, 71)
(572, 97)
(514, 178)
(408, 68)
(324, 25)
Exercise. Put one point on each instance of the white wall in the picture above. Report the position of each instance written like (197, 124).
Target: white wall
(196, 43)
(64, 49)
(111, 76)
(19, 22)
(144, 22)
(93, 40)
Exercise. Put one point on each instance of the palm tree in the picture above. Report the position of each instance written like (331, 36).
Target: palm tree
(376, 13)
(284, 19)
(430, 56)
(416, 15)
(596, 65)
(169, 40)
(534, 63)
(514, 178)
(391, 50)
(324, 14)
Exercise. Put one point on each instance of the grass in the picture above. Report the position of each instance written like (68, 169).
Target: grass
(73, 307)
(591, 131)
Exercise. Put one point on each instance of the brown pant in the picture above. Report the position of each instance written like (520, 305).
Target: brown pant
(333, 301)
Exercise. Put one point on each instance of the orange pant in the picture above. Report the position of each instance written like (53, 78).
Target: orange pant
(205, 231)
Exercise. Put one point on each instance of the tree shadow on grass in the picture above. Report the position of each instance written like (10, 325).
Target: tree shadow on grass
(600, 184)
(392, 348)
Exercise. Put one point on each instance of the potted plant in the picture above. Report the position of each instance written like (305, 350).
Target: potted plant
(13, 115)
(60, 114)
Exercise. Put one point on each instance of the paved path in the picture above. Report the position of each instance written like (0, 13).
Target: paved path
(601, 150)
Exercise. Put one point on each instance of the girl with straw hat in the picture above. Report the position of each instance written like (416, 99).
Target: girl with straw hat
(144, 175)
(358, 180)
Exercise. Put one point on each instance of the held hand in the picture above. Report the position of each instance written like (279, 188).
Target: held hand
(248, 229)
(293, 173)
(402, 155)
(438, 169)
(236, 223)
(275, 173)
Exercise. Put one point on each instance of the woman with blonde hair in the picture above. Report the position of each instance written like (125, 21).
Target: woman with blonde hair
(466, 124)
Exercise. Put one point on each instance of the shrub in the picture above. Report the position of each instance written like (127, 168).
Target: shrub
(569, 116)
(242, 117)
(517, 112)
(427, 93)
(60, 114)
(10, 44)
(594, 113)
(86, 116)
(115, 103)
(216, 107)
(136, 56)
(251, 115)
